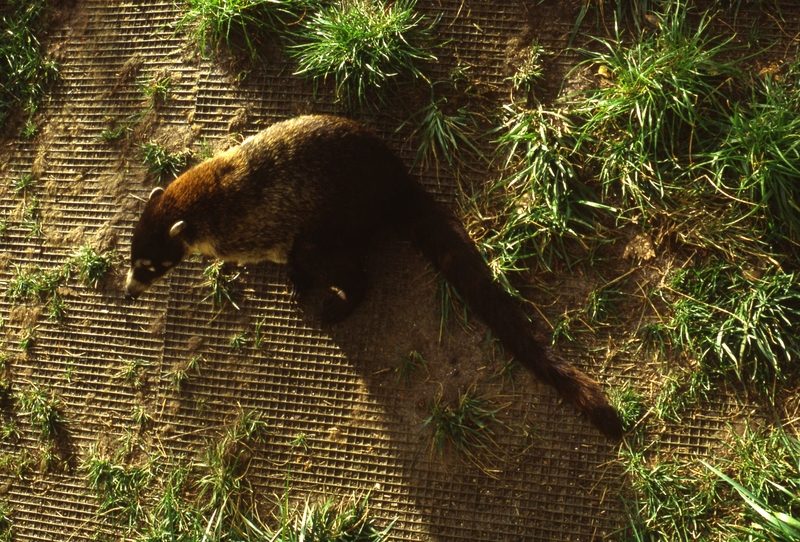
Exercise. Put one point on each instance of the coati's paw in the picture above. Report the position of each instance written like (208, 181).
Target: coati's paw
(337, 305)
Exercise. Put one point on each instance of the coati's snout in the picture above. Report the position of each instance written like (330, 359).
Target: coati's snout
(143, 273)
(134, 287)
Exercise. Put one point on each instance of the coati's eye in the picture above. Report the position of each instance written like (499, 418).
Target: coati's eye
(146, 263)
(167, 264)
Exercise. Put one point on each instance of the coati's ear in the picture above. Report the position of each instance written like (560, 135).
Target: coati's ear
(156, 191)
(177, 228)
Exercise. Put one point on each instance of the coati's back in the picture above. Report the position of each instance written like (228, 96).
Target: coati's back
(307, 172)
(309, 192)
(251, 202)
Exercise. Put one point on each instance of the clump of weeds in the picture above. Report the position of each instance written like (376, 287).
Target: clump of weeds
(118, 486)
(90, 266)
(133, 372)
(364, 46)
(240, 23)
(734, 324)
(43, 407)
(466, 426)
(25, 71)
(660, 102)
(444, 133)
(223, 481)
(328, 521)
(161, 162)
(410, 364)
(528, 73)
(221, 284)
(764, 472)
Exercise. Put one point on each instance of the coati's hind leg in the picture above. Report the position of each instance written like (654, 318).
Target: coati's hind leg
(348, 283)
(341, 269)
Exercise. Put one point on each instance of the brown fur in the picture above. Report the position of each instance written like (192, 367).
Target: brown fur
(309, 192)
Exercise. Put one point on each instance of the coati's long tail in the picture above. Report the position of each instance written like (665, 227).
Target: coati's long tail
(443, 239)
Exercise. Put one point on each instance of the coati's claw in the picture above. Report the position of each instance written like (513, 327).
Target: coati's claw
(298, 283)
(294, 292)
(337, 306)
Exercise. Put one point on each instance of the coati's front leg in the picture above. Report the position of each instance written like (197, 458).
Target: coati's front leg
(301, 276)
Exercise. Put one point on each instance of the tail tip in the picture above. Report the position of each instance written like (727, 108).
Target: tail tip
(606, 419)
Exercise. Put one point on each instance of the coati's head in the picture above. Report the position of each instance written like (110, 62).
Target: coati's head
(157, 245)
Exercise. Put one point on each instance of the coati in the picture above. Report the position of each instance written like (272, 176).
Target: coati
(309, 192)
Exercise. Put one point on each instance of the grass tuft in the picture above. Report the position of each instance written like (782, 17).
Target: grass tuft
(23, 184)
(44, 408)
(156, 90)
(171, 515)
(6, 522)
(118, 487)
(768, 483)
(450, 305)
(238, 341)
(25, 72)
(465, 426)
(90, 266)
(34, 283)
(680, 389)
(409, 364)
(239, 23)
(538, 202)
(737, 324)
(181, 374)
(133, 372)
(656, 104)
(629, 404)
(756, 164)
(674, 500)
(444, 133)
(27, 338)
(529, 71)
(161, 162)
(223, 481)
(328, 521)
(221, 284)
(363, 46)
(56, 309)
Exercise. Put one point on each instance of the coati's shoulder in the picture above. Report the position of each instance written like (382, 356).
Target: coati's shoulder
(208, 179)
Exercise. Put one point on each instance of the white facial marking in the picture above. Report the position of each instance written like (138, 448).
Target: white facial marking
(133, 287)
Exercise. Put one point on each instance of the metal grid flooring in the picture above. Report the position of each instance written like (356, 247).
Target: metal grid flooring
(332, 385)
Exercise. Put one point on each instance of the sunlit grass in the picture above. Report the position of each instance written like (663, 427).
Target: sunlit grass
(239, 23)
(43, 407)
(25, 72)
(467, 426)
(363, 46)
(757, 163)
(657, 105)
(737, 325)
